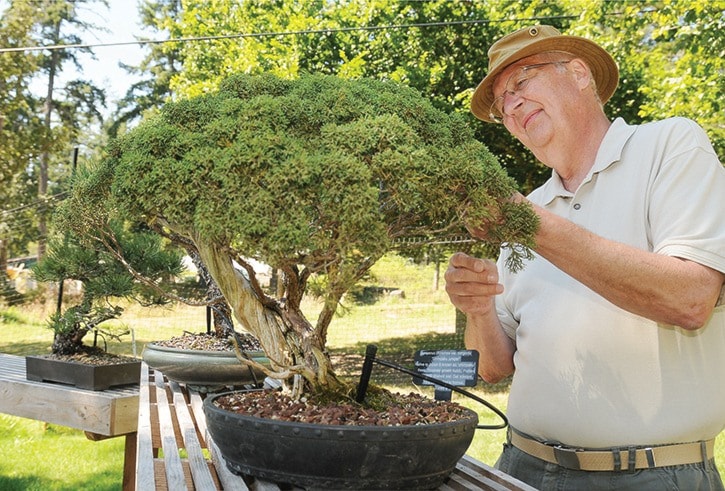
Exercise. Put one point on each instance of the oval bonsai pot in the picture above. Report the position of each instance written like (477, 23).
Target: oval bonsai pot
(319, 456)
(203, 369)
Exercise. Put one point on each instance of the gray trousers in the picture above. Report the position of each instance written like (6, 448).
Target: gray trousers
(545, 476)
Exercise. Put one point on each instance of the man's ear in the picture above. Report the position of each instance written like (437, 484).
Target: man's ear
(581, 71)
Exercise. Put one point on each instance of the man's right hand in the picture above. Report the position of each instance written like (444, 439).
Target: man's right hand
(472, 283)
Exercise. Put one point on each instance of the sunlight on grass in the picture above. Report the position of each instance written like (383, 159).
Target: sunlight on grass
(38, 456)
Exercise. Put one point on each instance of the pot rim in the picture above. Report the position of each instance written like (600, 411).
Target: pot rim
(252, 353)
(471, 417)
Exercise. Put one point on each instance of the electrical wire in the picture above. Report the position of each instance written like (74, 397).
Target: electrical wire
(448, 386)
(143, 42)
(367, 370)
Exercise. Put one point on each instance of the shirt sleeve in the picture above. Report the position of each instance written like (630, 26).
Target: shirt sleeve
(687, 197)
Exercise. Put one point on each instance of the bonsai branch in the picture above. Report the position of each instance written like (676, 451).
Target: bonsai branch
(275, 374)
(251, 276)
(108, 240)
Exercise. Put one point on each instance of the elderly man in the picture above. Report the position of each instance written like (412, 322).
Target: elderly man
(615, 331)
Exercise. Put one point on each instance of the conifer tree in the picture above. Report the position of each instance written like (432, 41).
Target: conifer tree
(312, 176)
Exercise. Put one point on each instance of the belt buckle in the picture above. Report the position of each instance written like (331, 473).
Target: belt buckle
(567, 457)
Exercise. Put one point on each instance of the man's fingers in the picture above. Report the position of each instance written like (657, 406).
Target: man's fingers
(461, 260)
(469, 276)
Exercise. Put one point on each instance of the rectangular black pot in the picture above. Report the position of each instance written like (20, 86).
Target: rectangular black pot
(83, 376)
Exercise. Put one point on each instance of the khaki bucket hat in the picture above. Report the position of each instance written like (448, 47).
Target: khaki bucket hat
(538, 39)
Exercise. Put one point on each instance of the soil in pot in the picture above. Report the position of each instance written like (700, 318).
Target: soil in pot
(209, 342)
(205, 362)
(414, 444)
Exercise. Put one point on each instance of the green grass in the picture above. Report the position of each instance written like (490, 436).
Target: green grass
(35, 456)
(38, 456)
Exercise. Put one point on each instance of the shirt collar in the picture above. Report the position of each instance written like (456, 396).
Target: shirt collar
(610, 152)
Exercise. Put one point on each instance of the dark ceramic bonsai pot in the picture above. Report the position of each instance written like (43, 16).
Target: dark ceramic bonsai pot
(318, 456)
(84, 376)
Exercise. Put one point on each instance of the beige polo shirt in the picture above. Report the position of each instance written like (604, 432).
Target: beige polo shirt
(588, 373)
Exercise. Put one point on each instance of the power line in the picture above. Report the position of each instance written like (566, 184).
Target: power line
(45, 201)
(280, 34)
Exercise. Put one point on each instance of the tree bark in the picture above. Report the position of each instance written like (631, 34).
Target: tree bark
(286, 336)
(45, 153)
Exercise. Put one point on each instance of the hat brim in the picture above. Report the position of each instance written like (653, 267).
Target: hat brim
(603, 67)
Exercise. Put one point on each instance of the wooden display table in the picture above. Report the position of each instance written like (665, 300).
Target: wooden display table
(171, 419)
(100, 414)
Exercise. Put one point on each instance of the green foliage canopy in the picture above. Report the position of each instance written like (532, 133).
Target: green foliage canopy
(297, 172)
(670, 52)
(314, 175)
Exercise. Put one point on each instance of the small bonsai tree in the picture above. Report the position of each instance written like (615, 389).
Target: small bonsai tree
(104, 281)
(316, 175)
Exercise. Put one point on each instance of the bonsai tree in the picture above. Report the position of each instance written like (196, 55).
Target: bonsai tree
(312, 176)
(104, 280)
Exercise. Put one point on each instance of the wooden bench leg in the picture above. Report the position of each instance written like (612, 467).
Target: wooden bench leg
(129, 463)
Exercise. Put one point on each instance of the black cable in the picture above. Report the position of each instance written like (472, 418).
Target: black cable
(490, 406)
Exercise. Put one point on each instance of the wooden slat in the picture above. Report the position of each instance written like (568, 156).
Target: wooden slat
(475, 472)
(175, 479)
(144, 440)
(197, 462)
(197, 410)
(13, 366)
(457, 483)
(160, 474)
(229, 480)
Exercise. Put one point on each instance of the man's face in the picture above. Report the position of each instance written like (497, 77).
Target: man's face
(535, 97)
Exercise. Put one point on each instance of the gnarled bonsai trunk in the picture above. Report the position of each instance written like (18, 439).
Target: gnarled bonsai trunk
(286, 336)
(71, 327)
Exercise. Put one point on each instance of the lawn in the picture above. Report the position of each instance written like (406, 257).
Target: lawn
(38, 456)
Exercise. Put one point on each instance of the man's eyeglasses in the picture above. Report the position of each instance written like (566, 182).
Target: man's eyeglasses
(516, 84)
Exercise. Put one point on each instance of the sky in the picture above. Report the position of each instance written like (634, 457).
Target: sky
(121, 19)
(122, 22)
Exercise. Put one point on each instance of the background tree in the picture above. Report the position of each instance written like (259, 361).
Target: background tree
(672, 60)
(80, 103)
(314, 175)
(156, 70)
(669, 52)
(39, 130)
(437, 46)
(17, 70)
(105, 281)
